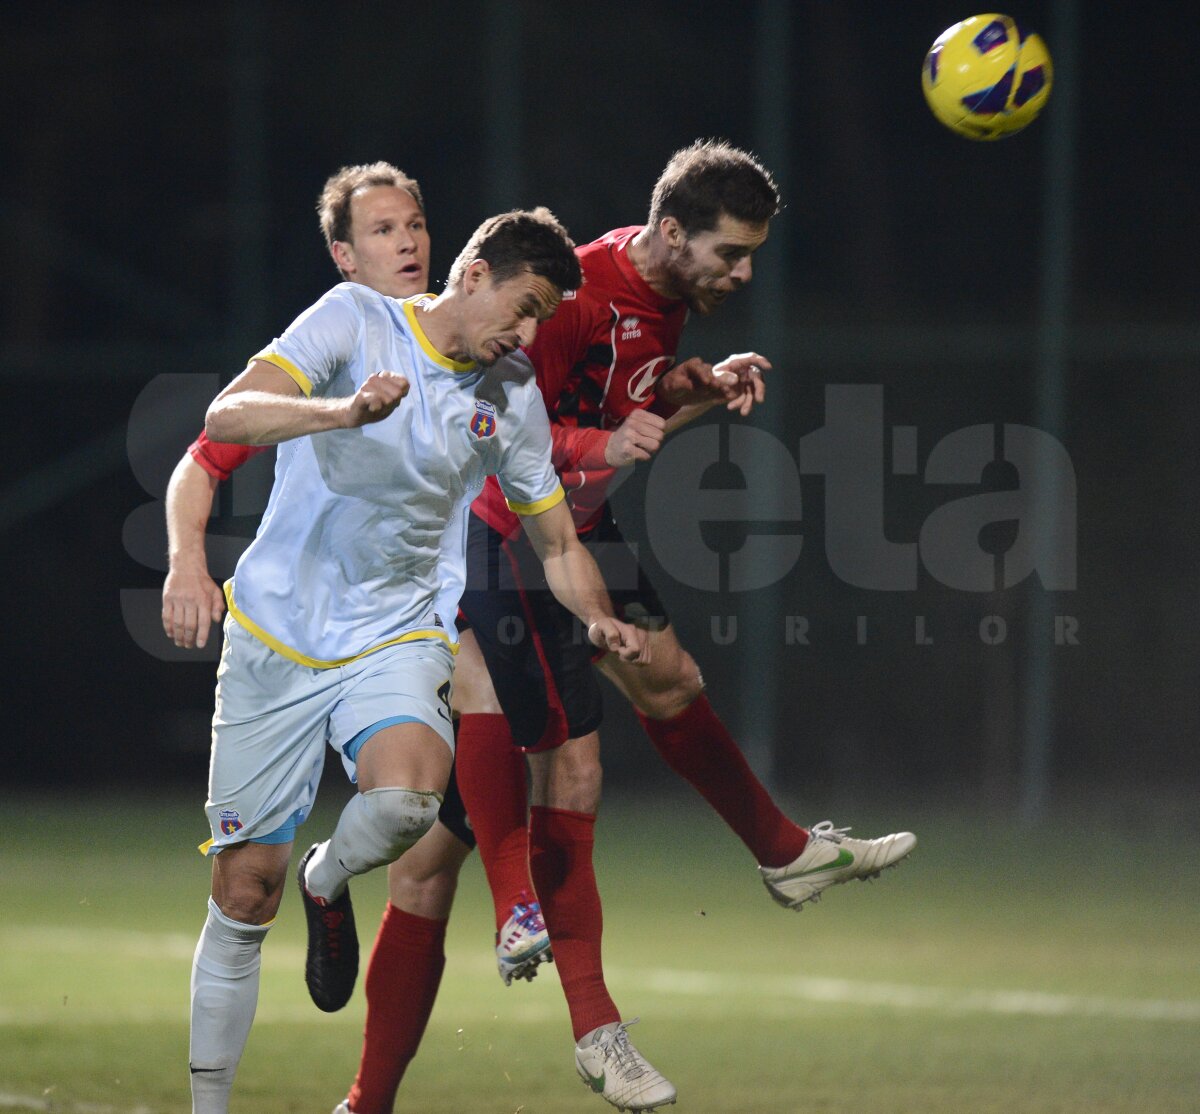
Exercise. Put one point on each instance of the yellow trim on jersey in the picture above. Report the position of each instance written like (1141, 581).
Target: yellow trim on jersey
(317, 663)
(410, 311)
(284, 364)
(540, 505)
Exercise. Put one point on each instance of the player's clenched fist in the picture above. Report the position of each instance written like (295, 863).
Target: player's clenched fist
(629, 643)
(638, 437)
(376, 398)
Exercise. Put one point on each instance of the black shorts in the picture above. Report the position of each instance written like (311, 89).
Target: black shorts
(453, 813)
(536, 651)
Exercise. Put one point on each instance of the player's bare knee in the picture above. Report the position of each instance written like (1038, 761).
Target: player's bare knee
(425, 895)
(248, 900)
(477, 702)
(473, 691)
(576, 783)
(672, 691)
(248, 880)
(475, 696)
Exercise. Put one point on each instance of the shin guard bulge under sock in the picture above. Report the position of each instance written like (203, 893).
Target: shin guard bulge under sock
(491, 779)
(560, 846)
(402, 984)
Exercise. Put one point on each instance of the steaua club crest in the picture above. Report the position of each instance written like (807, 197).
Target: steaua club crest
(483, 421)
(230, 821)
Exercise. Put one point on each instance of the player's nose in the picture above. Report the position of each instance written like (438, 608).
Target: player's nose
(743, 272)
(527, 330)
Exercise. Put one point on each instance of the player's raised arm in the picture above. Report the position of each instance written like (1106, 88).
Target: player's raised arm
(265, 405)
(575, 580)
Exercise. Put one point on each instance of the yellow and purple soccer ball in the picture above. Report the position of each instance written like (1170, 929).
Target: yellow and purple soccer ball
(987, 77)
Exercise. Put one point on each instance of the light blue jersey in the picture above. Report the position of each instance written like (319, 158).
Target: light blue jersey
(363, 541)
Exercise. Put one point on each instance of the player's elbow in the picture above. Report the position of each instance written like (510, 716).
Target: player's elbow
(221, 422)
(231, 419)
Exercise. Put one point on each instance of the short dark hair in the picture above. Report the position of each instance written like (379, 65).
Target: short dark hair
(522, 239)
(333, 206)
(709, 178)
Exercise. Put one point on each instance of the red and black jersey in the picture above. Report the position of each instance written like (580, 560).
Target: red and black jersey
(597, 359)
(221, 460)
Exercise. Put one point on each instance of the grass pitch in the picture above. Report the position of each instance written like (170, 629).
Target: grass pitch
(1000, 969)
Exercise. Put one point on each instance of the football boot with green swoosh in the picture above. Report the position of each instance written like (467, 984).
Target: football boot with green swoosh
(609, 1064)
(831, 857)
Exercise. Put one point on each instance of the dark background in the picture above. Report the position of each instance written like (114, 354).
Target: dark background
(161, 168)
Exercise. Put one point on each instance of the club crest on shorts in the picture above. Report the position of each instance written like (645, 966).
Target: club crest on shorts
(483, 421)
(230, 820)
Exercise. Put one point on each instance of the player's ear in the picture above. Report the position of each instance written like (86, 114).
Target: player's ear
(672, 233)
(343, 256)
(475, 274)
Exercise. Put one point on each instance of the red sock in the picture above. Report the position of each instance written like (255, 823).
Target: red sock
(491, 778)
(696, 745)
(560, 853)
(402, 983)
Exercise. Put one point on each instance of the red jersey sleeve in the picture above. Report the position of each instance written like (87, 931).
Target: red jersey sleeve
(219, 459)
(578, 450)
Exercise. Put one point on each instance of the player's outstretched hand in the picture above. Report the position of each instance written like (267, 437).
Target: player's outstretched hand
(736, 381)
(191, 603)
(638, 437)
(689, 383)
(740, 379)
(629, 643)
(376, 398)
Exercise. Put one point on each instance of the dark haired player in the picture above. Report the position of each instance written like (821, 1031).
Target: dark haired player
(605, 366)
(340, 629)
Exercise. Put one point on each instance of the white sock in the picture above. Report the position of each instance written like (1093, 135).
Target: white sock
(224, 996)
(375, 828)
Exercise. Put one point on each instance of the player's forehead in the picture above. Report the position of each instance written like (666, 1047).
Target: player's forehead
(533, 293)
(376, 203)
(731, 233)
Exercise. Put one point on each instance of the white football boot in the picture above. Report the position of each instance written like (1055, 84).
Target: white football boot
(831, 857)
(609, 1064)
(522, 943)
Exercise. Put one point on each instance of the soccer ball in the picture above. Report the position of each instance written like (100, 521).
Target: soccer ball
(986, 77)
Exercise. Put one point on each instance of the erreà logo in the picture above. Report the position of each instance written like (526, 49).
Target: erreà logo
(642, 381)
(629, 328)
(483, 421)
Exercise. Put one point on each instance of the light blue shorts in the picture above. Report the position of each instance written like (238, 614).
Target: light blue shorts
(274, 718)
